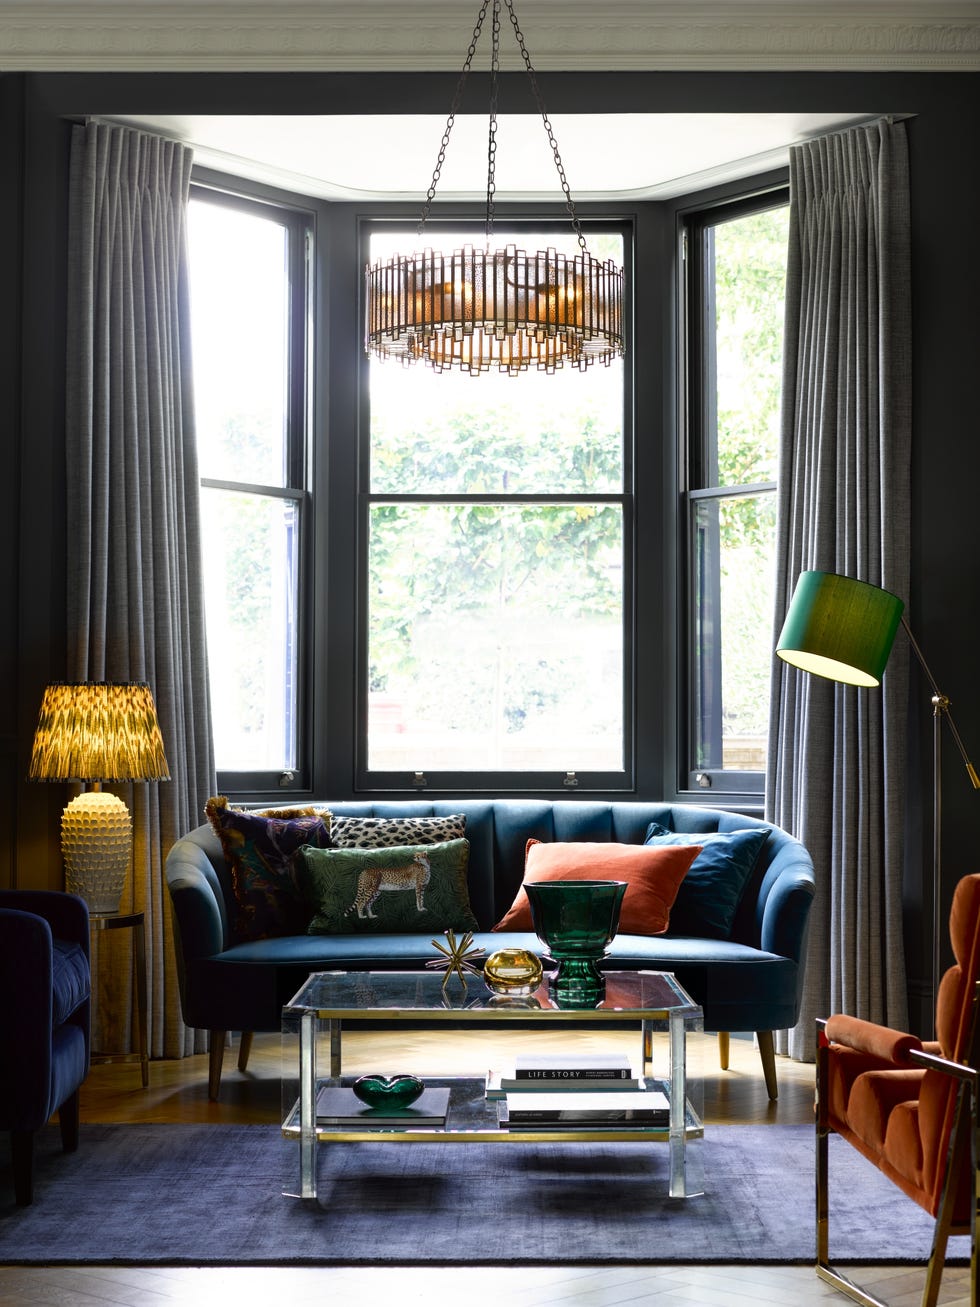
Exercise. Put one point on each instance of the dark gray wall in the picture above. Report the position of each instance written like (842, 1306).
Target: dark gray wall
(36, 110)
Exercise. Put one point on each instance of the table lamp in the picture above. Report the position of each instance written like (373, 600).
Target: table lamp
(95, 733)
(844, 629)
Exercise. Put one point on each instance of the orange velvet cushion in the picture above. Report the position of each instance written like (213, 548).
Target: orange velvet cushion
(653, 876)
(874, 1097)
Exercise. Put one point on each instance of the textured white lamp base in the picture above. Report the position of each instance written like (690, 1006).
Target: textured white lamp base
(96, 839)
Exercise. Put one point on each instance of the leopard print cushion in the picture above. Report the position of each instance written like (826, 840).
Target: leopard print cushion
(391, 832)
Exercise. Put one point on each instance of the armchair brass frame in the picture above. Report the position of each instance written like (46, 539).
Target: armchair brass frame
(963, 1147)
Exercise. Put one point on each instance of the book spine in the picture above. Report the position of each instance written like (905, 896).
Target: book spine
(609, 1085)
(654, 1124)
(573, 1073)
(583, 1118)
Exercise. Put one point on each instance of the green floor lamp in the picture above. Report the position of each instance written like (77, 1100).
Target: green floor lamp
(844, 630)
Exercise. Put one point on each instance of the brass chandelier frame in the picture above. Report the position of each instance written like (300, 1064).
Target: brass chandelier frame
(503, 309)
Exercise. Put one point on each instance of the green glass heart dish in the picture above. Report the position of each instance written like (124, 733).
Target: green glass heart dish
(576, 920)
(387, 1091)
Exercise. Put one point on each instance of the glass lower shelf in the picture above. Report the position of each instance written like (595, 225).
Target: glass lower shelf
(471, 1115)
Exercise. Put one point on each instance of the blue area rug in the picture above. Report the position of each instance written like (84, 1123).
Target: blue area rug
(212, 1195)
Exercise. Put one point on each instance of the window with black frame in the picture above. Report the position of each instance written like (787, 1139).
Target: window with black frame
(250, 307)
(496, 526)
(735, 268)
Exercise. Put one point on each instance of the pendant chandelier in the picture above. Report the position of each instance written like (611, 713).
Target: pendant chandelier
(495, 309)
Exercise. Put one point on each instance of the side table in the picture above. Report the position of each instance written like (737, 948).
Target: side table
(133, 921)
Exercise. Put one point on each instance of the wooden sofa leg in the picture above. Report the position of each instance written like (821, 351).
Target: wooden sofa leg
(723, 1049)
(768, 1054)
(216, 1053)
(244, 1048)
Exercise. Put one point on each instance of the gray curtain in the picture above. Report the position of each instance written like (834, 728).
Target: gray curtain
(135, 600)
(837, 759)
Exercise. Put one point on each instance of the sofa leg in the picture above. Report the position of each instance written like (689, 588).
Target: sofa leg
(216, 1054)
(244, 1048)
(768, 1054)
(723, 1049)
(68, 1116)
(22, 1157)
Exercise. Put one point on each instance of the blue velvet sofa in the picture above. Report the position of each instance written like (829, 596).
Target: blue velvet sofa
(44, 1022)
(750, 981)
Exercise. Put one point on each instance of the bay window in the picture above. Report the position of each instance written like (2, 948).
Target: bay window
(426, 581)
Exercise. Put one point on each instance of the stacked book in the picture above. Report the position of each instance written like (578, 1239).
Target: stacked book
(592, 1091)
(536, 1074)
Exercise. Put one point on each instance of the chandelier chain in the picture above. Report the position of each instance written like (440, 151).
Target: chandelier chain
(552, 140)
(492, 144)
(494, 101)
(451, 120)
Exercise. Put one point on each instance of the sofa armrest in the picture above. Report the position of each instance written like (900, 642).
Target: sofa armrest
(788, 900)
(196, 897)
(66, 914)
(893, 1046)
(26, 970)
(26, 949)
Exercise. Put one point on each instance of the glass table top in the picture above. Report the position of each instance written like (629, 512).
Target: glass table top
(404, 994)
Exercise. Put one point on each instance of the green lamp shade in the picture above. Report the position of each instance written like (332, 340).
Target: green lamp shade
(840, 628)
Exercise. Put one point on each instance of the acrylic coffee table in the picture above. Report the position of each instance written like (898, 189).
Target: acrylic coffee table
(651, 1002)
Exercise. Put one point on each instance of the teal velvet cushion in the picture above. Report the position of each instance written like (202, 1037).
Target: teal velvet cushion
(259, 849)
(710, 893)
(388, 891)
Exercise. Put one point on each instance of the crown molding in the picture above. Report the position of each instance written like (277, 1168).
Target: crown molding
(410, 35)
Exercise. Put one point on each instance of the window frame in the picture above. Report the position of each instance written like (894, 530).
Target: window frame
(697, 428)
(507, 228)
(656, 585)
(299, 224)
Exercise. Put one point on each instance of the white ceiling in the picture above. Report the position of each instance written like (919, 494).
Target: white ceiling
(632, 156)
(607, 156)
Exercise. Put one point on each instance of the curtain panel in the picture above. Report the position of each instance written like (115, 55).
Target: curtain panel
(135, 594)
(837, 755)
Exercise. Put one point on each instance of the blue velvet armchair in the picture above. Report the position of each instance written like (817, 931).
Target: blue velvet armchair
(45, 978)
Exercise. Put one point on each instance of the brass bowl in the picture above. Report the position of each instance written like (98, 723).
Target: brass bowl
(513, 971)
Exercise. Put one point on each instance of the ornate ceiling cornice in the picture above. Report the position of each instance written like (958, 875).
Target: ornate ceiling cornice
(408, 35)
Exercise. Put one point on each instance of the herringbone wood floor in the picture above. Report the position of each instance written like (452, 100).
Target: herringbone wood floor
(178, 1092)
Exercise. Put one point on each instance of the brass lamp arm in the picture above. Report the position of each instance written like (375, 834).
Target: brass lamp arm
(940, 703)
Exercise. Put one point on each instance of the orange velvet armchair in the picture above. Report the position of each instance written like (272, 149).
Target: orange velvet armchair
(910, 1107)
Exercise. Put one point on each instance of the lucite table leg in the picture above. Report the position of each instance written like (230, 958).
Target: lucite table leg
(686, 1124)
(678, 1100)
(307, 1105)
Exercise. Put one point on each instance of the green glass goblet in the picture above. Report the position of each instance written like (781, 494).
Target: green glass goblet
(576, 920)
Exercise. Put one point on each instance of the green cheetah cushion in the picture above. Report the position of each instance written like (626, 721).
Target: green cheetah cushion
(403, 889)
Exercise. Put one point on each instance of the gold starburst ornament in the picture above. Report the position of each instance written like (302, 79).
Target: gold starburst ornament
(456, 954)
